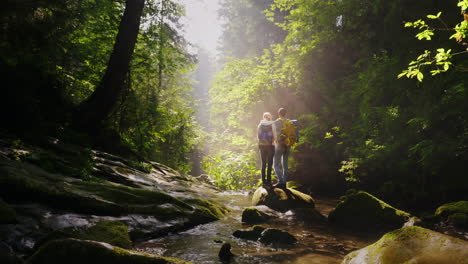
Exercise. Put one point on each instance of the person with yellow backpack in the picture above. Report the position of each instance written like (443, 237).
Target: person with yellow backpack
(284, 136)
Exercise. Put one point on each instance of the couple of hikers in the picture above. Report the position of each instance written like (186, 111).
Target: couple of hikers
(275, 138)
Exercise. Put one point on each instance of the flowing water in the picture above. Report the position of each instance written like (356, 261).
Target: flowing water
(317, 242)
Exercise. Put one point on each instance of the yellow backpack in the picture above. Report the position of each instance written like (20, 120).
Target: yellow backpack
(288, 134)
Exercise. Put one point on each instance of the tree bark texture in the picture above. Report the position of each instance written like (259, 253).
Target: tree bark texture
(102, 102)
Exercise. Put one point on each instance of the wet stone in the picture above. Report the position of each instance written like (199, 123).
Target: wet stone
(252, 215)
(225, 253)
(253, 234)
(282, 199)
(277, 237)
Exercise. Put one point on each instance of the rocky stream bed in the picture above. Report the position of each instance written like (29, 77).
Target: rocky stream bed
(64, 203)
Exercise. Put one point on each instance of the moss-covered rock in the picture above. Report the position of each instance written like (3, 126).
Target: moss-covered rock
(456, 213)
(210, 208)
(252, 215)
(412, 245)
(74, 251)
(282, 199)
(24, 182)
(363, 211)
(150, 201)
(7, 214)
(452, 208)
(112, 232)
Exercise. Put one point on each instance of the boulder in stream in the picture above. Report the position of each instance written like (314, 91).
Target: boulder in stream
(269, 236)
(412, 245)
(363, 211)
(276, 237)
(74, 251)
(253, 234)
(456, 213)
(282, 199)
(225, 253)
(252, 215)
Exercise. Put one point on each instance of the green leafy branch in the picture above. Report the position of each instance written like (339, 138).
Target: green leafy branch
(441, 59)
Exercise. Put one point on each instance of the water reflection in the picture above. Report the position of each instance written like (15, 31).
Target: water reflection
(317, 242)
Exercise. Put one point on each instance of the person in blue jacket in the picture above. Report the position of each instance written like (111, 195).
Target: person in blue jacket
(267, 149)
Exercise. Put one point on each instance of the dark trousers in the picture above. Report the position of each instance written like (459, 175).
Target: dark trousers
(266, 152)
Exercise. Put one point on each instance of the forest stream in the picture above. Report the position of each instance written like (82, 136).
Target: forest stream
(317, 242)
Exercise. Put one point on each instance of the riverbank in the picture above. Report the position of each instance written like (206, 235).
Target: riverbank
(53, 186)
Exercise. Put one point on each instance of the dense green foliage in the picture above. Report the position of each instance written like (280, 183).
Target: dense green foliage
(441, 60)
(54, 54)
(336, 70)
(333, 64)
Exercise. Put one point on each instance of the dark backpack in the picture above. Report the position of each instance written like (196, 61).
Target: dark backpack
(266, 135)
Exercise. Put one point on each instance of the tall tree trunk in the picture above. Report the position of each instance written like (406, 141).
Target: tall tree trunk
(161, 45)
(100, 104)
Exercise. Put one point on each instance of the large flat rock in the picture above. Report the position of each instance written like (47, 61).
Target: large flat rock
(74, 251)
(282, 199)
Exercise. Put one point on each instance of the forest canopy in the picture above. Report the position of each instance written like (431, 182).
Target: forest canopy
(118, 75)
(334, 65)
(55, 55)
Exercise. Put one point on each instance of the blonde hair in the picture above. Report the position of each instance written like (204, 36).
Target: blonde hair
(267, 115)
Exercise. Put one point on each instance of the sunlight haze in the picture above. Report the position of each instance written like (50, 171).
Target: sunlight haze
(203, 26)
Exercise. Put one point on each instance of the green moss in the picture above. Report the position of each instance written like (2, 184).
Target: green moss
(20, 182)
(24, 182)
(78, 163)
(73, 251)
(452, 208)
(252, 215)
(215, 210)
(410, 244)
(141, 166)
(112, 232)
(128, 195)
(136, 201)
(7, 214)
(362, 210)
